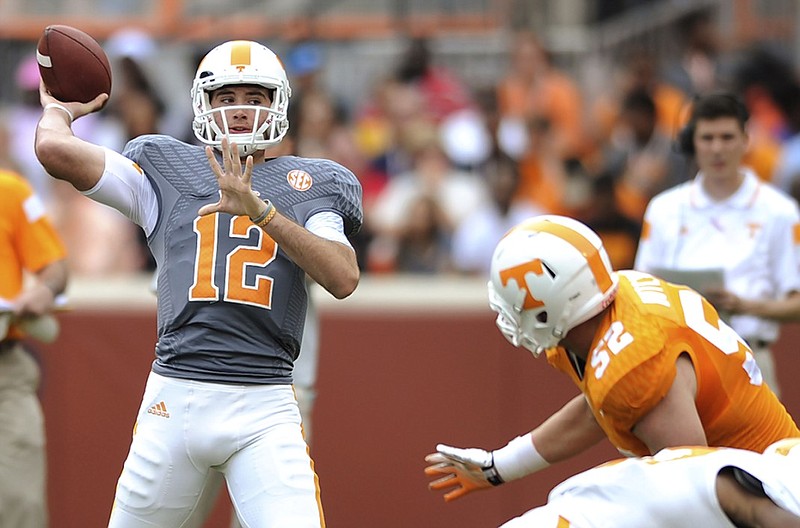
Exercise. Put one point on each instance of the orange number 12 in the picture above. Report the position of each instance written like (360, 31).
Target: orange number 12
(236, 263)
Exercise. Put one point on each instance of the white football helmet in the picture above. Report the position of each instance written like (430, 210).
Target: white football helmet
(241, 62)
(548, 275)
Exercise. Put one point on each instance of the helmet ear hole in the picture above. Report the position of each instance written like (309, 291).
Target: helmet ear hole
(542, 317)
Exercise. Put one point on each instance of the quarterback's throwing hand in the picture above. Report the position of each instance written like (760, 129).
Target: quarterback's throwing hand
(461, 471)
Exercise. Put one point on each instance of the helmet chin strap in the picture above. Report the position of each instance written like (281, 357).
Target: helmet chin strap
(245, 143)
(536, 350)
(244, 150)
(559, 330)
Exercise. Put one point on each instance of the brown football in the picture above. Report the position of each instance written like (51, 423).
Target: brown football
(72, 64)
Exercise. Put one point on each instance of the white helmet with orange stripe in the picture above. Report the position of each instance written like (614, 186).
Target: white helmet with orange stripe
(548, 275)
(235, 63)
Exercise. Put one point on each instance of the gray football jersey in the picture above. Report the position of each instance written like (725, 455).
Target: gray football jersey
(231, 304)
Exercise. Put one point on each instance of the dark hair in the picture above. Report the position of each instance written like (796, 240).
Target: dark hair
(416, 60)
(639, 100)
(711, 106)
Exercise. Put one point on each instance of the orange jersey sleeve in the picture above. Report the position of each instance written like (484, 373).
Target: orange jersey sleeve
(28, 240)
(631, 367)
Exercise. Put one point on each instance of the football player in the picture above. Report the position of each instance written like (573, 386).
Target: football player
(234, 231)
(678, 487)
(655, 365)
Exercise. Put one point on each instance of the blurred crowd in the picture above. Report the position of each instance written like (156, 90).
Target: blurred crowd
(446, 167)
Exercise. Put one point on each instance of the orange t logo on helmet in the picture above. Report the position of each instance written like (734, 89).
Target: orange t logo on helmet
(518, 274)
(579, 242)
(569, 280)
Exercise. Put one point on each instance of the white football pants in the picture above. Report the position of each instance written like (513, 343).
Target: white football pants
(186, 430)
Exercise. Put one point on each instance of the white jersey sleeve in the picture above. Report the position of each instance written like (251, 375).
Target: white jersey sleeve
(785, 246)
(660, 231)
(124, 187)
(646, 253)
(328, 225)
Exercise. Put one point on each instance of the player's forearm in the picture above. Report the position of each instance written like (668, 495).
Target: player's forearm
(747, 509)
(53, 139)
(330, 264)
(65, 156)
(569, 431)
(769, 515)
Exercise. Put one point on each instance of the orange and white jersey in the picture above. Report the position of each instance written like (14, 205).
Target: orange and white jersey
(673, 489)
(631, 367)
(753, 236)
(28, 241)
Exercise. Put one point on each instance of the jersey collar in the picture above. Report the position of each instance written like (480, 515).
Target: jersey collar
(743, 198)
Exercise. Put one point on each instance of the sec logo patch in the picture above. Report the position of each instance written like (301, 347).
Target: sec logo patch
(299, 179)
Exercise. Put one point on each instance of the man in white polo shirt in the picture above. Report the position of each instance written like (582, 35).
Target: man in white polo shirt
(726, 220)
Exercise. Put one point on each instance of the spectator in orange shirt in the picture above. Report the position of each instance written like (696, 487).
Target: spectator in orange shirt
(534, 89)
(641, 156)
(638, 71)
(551, 183)
(29, 248)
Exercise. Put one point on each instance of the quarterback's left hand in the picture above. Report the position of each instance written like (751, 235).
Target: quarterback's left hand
(461, 471)
(235, 180)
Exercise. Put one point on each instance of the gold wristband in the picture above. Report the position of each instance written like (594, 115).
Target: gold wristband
(265, 217)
